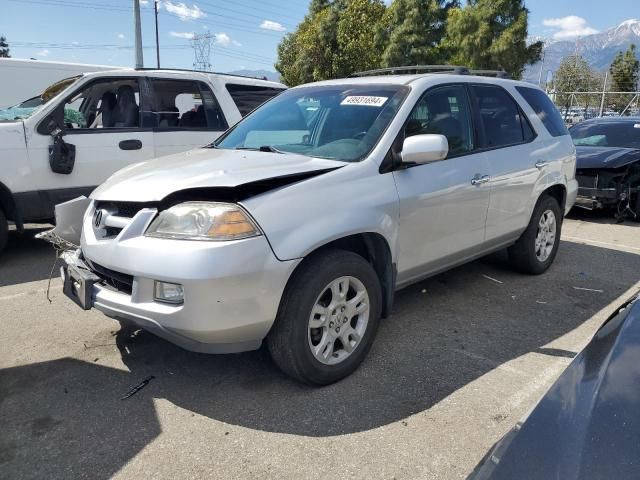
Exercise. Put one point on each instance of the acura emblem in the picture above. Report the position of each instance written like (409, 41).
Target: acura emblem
(97, 218)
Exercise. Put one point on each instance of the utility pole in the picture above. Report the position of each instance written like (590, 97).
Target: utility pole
(138, 33)
(155, 10)
(604, 91)
(541, 67)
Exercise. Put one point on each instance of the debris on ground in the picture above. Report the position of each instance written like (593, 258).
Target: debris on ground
(138, 387)
(492, 279)
(589, 289)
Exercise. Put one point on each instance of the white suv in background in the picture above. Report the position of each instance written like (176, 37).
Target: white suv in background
(87, 127)
(299, 224)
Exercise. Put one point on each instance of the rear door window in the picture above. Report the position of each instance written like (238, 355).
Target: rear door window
(502, 121)
(185, 104)
(545, 109)
(249, 97)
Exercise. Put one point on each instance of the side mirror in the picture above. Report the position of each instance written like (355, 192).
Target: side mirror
(424, 148)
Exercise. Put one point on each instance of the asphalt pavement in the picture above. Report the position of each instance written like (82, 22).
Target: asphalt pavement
(463, 357)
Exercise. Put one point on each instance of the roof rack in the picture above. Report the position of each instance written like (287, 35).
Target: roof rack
(199, 71)
(456, 69)
(415, 69)
(491, 73)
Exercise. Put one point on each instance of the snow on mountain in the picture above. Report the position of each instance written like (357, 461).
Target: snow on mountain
(598, 49)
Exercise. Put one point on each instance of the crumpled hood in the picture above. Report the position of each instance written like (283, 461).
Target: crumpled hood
(605, 157)
(153, 180)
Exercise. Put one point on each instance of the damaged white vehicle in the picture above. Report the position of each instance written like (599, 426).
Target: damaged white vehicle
(299, 224)
(80, 130)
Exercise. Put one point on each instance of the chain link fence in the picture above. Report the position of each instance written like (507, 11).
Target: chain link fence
(578, 106)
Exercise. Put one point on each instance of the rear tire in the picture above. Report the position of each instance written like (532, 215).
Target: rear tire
(537, 247)
(328, 318)
(4, 230)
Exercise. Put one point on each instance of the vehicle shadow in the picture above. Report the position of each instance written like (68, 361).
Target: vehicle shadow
(65, 418)
(26, 258)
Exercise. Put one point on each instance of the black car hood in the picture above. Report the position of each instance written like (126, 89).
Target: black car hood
(605, 157)
(587, 426)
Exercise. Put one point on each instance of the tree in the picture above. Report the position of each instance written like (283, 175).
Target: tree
(411, 32)
(491, 34)
(4, 48)
(625, 71)
(575, 75)
(625, 75)
(334, 39)
(356, 36)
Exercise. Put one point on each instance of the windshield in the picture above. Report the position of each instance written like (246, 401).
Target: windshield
(28, 107)
(607, 134)
(337, 122)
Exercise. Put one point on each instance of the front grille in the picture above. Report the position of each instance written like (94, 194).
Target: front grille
(116, 280)
(587, 181)
(123, 209)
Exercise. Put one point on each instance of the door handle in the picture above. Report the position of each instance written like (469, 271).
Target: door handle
(479, 180)
(130, 145)
(541, 164)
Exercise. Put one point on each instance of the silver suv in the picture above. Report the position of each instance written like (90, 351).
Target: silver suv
(299, 223)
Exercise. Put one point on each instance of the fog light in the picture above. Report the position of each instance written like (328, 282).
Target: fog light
(168, 292)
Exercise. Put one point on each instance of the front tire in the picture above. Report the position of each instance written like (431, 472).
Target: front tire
(4, 230)
(328, 318)
(537, 247)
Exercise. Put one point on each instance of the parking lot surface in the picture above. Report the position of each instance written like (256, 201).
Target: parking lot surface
(463, 357)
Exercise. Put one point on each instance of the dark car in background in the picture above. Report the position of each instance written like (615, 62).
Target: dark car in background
(587, 426)
(608, 165)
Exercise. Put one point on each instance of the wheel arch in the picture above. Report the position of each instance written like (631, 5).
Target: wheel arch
(559, 192)
(374, 248)
(9, 207)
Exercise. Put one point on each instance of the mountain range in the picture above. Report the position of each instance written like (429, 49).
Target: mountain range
(598, 49)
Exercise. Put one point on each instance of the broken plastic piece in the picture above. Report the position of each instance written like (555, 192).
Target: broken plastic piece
(137, 388)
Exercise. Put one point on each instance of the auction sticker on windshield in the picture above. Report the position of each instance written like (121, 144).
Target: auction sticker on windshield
(366, 100)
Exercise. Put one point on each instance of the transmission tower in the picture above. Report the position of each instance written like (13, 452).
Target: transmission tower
(202, 51)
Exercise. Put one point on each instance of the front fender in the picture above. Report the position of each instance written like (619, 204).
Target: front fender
(300, 218)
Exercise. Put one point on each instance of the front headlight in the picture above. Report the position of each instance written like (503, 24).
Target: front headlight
(203, 221)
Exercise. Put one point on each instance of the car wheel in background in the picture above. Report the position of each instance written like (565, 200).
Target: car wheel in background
(4, 230)
(637, 208)
(537, 247)
(328, 318)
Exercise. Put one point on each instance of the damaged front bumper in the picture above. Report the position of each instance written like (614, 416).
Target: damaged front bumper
(231, 290)
(605, 188)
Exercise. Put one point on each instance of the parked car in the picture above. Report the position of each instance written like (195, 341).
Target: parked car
(608, 164)
(587, 425)
(89, 126)
(300, 222)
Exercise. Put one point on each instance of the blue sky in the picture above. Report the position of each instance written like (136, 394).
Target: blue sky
(245, 32)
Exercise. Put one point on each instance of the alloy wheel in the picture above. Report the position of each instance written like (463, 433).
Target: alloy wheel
(338, 320)
(546, 235)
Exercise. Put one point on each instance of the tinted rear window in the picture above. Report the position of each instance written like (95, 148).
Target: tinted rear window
(503, 123)
(248, 97)
(545, 109)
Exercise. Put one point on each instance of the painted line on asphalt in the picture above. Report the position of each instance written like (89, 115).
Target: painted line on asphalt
(615, 246)
(15, 295)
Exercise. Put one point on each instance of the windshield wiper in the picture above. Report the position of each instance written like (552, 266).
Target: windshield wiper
(261, 148)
